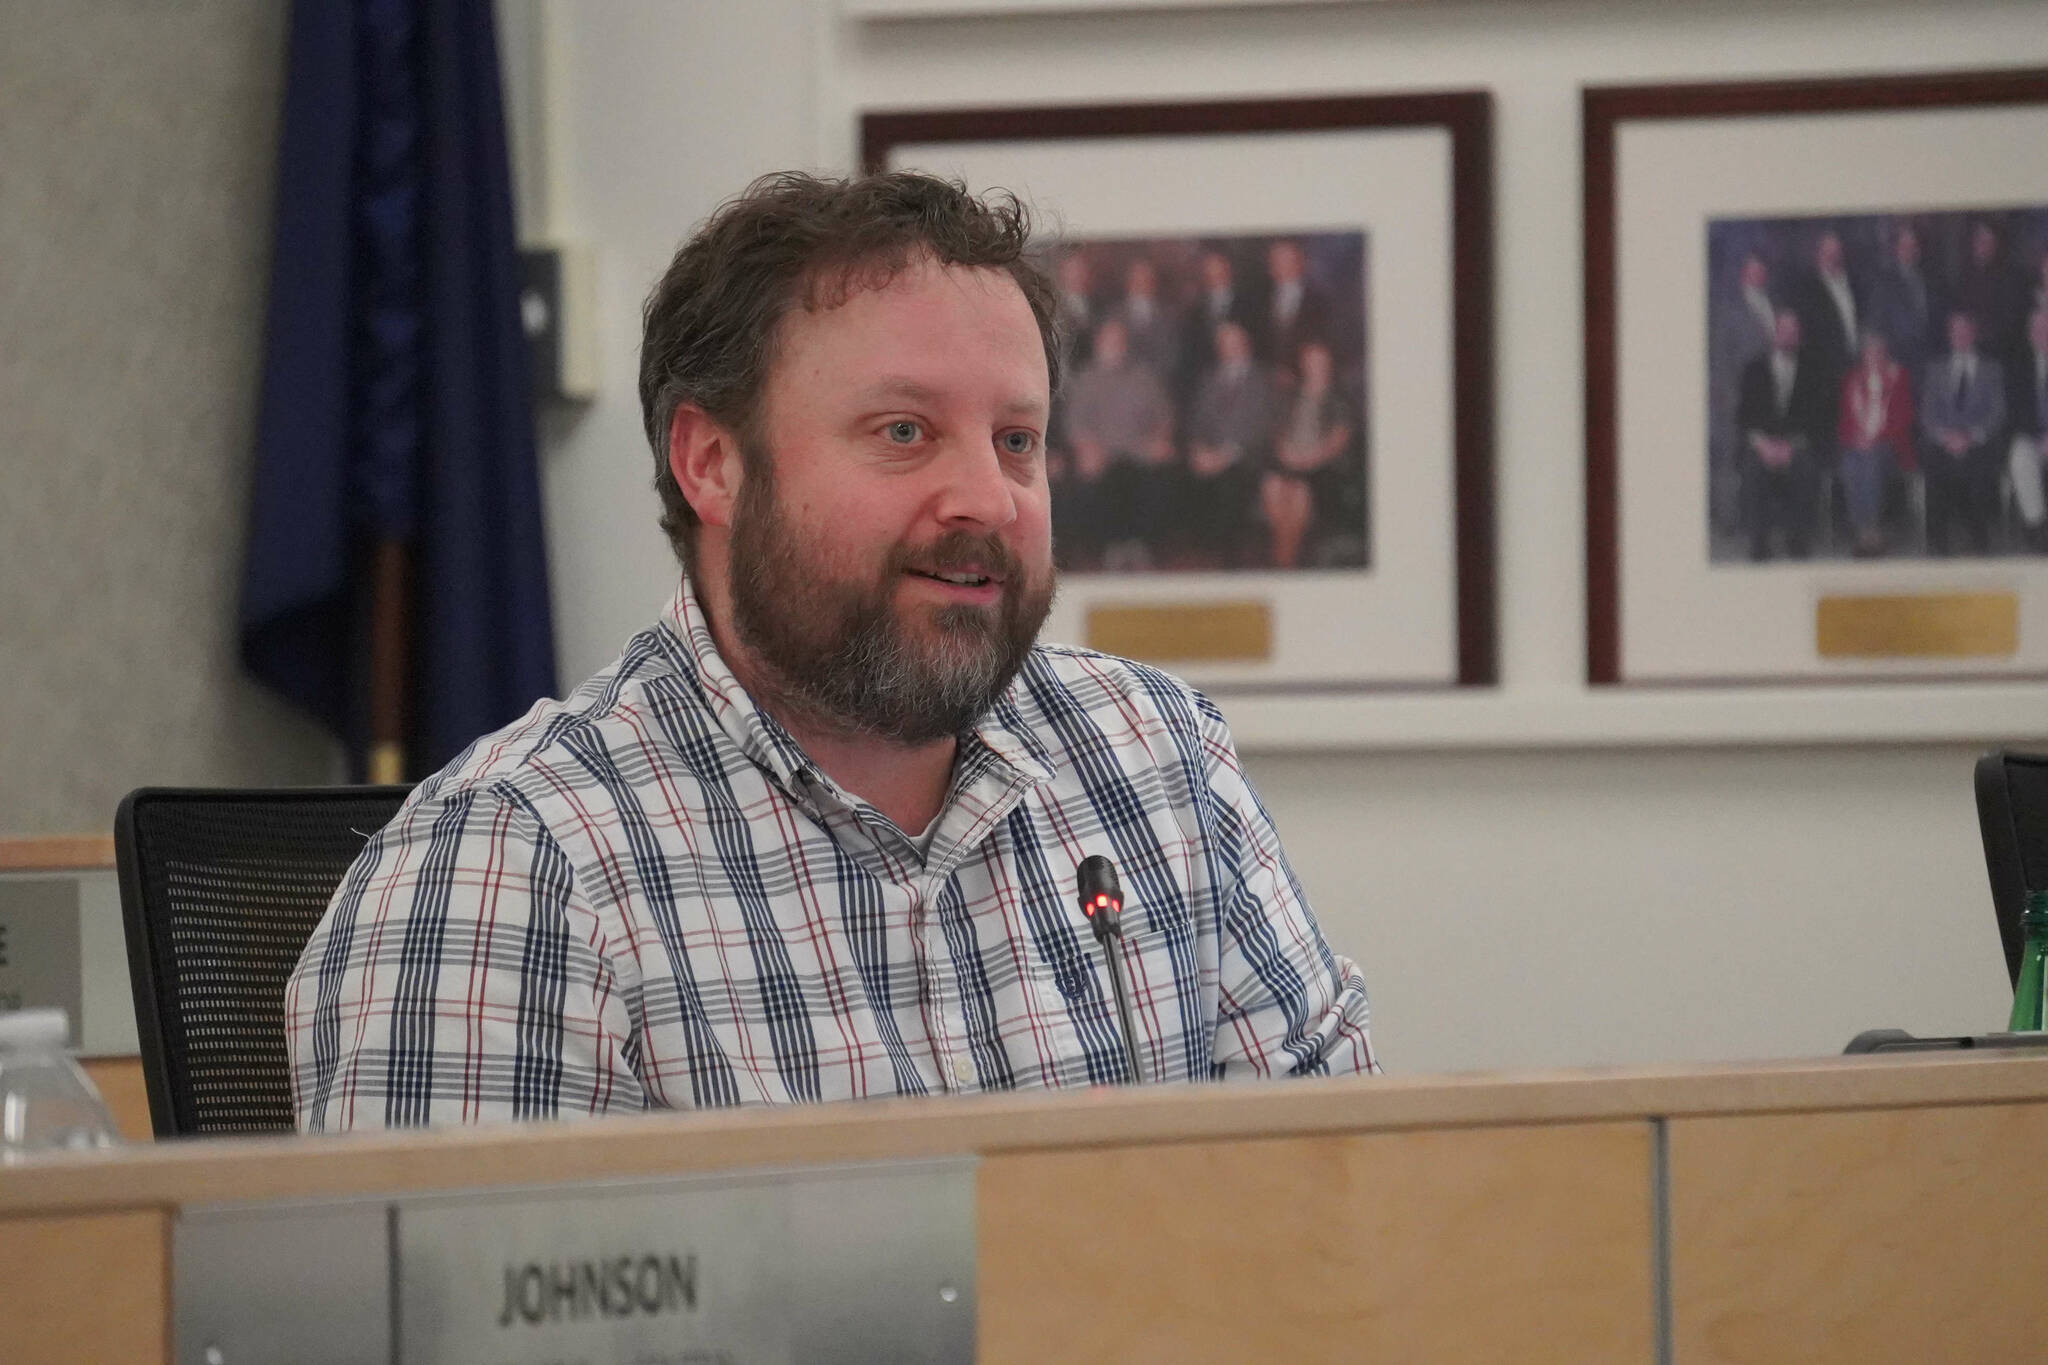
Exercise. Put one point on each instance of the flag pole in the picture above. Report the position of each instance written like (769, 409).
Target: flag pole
(390, 629)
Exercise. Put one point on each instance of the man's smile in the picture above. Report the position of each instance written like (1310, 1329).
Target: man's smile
(964, 577)
(960, 585)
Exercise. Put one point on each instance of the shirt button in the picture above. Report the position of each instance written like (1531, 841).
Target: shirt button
(963, 1070)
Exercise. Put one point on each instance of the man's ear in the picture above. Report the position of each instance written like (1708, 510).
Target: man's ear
(704, 459)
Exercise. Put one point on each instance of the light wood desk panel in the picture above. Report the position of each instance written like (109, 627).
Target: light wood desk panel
(57, 853)
(1904, 1235)
(86, 1288)
(1529, 1244)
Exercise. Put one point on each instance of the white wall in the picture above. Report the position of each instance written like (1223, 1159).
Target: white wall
(1514, 906)
(665, 109)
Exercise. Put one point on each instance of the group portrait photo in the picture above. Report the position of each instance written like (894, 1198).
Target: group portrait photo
(1877, 385)
(1213, 413)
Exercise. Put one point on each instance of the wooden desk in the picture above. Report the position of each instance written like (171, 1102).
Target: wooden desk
(1850, 1209)
(57, 853)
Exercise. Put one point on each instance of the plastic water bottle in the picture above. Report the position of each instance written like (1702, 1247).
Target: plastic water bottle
(46, 1103)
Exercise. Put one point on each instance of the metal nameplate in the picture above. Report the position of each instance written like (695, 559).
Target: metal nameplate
(39, 946)
(865, 1263)
(305, 1283)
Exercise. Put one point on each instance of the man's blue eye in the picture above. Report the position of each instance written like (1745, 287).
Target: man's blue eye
(903, 433)
(1019, 442)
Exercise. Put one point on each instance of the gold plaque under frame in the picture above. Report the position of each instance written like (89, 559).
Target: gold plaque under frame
(1963, 625)
(1183, 632)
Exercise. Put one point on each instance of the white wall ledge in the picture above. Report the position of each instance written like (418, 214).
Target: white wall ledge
(978, 9)
(1987, 713)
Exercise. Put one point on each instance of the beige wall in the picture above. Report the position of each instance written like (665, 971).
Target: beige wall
(136, 145)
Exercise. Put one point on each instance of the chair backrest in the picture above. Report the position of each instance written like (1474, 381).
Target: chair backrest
(219, 892)
(2012, 810)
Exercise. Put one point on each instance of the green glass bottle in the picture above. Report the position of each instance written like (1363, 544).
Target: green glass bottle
(2029, 1010)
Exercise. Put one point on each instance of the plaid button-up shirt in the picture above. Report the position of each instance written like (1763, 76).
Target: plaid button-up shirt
(646, 895)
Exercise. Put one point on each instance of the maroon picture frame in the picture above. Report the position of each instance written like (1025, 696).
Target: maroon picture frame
(1603, 109)
(1467, 116)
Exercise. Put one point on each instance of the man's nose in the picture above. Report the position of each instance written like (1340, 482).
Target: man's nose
(977, 489)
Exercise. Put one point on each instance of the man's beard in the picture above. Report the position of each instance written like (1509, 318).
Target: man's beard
(839, 654)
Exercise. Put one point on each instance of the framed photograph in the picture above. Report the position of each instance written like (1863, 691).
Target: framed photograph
(1271, 456)
(1816, 378)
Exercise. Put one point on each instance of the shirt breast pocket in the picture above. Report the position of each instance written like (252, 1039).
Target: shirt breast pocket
(1163, 976)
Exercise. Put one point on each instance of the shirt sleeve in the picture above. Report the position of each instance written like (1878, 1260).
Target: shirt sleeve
(458, 977)
(1288, 1005)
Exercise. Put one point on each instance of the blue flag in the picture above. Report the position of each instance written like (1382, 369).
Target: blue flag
(395, 406)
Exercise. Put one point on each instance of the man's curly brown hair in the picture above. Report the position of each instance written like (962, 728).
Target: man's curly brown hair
(710, 326)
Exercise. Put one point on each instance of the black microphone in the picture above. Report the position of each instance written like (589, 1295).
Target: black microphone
(1102, 901)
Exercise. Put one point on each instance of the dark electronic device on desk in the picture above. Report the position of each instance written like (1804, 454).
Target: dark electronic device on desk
(2012, 812)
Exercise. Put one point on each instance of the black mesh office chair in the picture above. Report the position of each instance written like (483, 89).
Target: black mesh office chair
(219, 892)
(2012, 810)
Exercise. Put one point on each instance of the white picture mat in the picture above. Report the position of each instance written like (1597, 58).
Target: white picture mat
(1395, 622)
(1681, 617)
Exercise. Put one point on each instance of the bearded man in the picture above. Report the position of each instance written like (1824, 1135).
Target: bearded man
(814, 835)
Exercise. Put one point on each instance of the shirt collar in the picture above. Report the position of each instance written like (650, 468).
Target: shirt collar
(1000, 735)
(759, 735)
(1006, 739)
